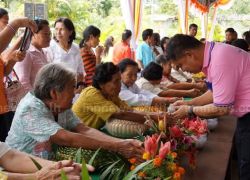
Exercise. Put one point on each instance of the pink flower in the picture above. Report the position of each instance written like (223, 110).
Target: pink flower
(164, 149)
(151, 145)
(175, 131)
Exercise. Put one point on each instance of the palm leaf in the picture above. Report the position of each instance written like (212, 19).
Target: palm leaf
(38, 166)
(118, 173)
(85, 173)
(108, 170)
(63, 176)
(93, 157)
(131, 174)
(78, 156)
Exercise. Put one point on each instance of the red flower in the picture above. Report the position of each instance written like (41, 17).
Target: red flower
(151, 144)
(175, 131)
(164, 149)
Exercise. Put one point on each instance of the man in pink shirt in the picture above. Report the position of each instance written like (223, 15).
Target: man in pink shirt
(228, 81)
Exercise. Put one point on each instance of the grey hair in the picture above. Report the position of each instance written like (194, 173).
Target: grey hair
(52, 76)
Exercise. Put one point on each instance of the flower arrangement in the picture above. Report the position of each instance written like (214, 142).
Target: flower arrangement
(161, 161)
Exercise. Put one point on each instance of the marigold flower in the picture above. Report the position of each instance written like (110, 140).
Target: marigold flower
(141, 174)
(146, 156)
(132, 167)
(172, 167)
(132, 160)
(174, 154)
(177, 176)
(157, 162)
(181, 170)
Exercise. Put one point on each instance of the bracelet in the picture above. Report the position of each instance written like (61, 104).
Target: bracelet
(12, 29)
(191, 113)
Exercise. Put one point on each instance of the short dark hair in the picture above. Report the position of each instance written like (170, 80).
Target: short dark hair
(104, 73)
(240, 43)
(147, 33)
(88, 31)
(180, 43)
(69, 25)
(40, 24)
(125, 63)
(246, 36)
(193, 25)
(3, 12)
(152, 71)
(161, 59)
(126, 34)
(231, 30)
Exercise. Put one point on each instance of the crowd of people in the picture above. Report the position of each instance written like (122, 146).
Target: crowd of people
(72, 90)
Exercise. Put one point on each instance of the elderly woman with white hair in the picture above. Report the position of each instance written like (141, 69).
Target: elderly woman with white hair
(44, 117)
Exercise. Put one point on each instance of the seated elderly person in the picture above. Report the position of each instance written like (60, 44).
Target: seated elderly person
(44, 117)
(151, 79)
(11, 159)
(131, 93)
(101, 101)
(167, 83)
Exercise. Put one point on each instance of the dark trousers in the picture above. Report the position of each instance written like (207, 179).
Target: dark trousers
(242, 139)
(5, 124)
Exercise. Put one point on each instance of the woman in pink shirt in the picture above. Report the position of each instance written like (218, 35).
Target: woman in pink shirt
(35, 56)
(228, 80)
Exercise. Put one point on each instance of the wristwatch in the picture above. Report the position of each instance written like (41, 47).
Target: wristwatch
(191, 113)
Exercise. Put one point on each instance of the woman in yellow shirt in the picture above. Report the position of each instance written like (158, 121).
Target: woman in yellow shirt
(100, 102)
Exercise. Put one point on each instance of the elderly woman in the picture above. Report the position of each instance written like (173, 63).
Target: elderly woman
(100, 102)
(44, 117)
(35, 57)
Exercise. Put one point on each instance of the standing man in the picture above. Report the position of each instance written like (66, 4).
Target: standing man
(144, 53)
(228, 75)
(193, 28)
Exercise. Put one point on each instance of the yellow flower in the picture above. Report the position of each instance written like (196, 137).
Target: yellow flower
(146, 156)
(3, 176)
(157, 162)
(161, 125)
(172, 167)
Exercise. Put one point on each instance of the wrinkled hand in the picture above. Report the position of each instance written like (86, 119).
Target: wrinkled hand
(99, 50)
(194, 92)
(174, 99)
(54, 171)
(181, 112)
(130, 148)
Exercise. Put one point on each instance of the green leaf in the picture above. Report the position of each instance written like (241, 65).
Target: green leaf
(38, 166)
(63, 176)
(118, 173)
(138, 168)
(108, 170)
(78, 156)
(93, 157)
(85, 173)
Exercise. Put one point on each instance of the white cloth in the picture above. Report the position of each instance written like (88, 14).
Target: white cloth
(135, 96)
(179, 75)
(144, 84)
(72, 59)
(3, 149)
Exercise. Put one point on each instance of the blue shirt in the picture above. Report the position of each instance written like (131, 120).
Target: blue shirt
(145, 54)
(34, 124)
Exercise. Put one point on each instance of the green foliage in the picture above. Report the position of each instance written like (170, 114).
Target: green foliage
(63, 176)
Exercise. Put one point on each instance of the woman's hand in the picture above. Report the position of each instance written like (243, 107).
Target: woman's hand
(24, 22)
(130, 148)
(18, 56)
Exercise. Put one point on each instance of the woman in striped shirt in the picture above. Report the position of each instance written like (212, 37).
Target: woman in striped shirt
(90, 59)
